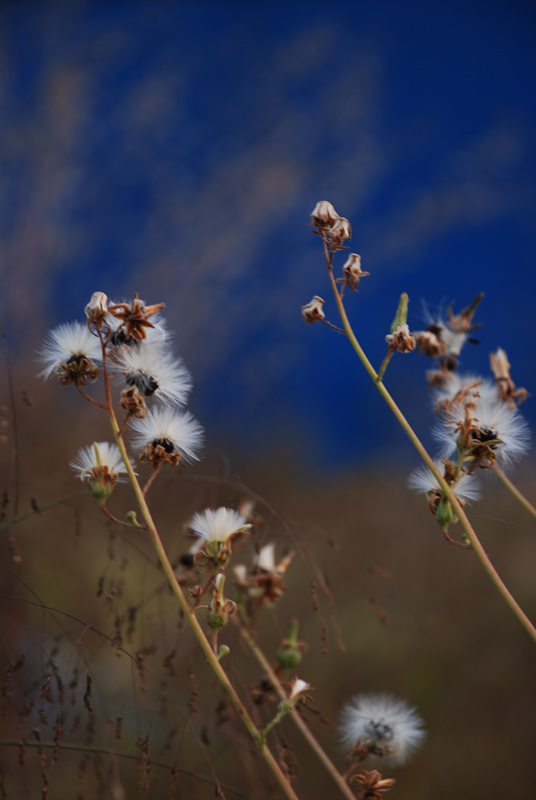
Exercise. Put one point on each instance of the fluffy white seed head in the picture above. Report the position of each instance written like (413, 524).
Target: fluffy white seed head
(422, 480)
(217, 525)
(498, 421)
(176, 432)
(66, 343)
(99, 454)
(387, 727)
(154, 372)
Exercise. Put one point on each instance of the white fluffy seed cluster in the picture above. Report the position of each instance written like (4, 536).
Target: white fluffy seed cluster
(386, 727)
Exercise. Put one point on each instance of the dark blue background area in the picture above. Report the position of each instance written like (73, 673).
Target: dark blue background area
(178, 149)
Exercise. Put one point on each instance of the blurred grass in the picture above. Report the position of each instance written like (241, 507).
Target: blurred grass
(418, 619)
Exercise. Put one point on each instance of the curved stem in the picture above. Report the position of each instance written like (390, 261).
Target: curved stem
(460, 513)
(514, 490)
(87, 397)
(303, 727)
(40, 509)
(183, 603)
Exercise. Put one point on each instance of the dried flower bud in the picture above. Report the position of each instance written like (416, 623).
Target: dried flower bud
(312, 312)
(324, 215)
(352, 271)
(97, 309)
(401, 339)
(340, 231)
(133, 402)
(297, 688)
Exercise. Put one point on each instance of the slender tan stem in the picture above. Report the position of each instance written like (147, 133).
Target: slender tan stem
(466, 525)
(385, 363)
(303, 727)
(154, 473)
(185, 606)
(514, 490)
(86, 396)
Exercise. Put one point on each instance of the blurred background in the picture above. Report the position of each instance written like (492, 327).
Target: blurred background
(177, 150)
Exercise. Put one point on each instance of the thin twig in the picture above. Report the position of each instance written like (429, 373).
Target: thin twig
(87, 397)
(514, 490)
(62, 501)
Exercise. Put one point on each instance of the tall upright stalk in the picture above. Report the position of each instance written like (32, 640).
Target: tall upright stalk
(183, 603)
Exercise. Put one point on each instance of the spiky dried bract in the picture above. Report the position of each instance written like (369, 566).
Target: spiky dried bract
(500, 367)
(217, 525)
(70, 352)
(155, 373)
(312, 311)
(166, 436)
(134, 317)
(383, 726)
(372, 785)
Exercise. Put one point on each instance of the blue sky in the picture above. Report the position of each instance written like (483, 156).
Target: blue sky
(179, 148)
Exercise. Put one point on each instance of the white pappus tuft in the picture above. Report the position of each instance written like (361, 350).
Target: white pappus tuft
(154, 372)
(218, 525)
(175, 432)
(422, 480)
(494, 422)
(67, 343)
(383, 726)
(99, 454)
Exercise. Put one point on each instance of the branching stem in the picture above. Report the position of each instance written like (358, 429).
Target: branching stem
(460, 513)
(514, 490)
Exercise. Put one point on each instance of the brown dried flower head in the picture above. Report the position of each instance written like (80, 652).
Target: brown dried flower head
(312, 312)
(135, 317)
(324, 215)
(352, 271)
(401, 339)
(97, 309)
(133, 402)
(372, 785)
(339, 232)
(429, 344)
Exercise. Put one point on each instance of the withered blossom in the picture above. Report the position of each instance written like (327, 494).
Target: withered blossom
(352, 271)
(324, 215)
(312, 311)
(135, 317)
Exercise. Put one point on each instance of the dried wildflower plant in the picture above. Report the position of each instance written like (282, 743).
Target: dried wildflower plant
(480, 425)
(122, 362)
(124, 350)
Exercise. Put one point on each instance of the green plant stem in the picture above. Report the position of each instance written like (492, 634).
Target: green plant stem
(466, 525)
(35, 511)
(514, 490)
(185, 606)
(303, 727)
